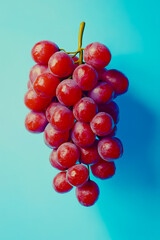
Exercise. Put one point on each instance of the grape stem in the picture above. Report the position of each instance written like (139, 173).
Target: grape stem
(80, 49)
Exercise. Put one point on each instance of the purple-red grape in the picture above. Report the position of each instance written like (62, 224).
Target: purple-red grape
(45, 85)
(61, 64)
(103, 169)
(82, 134)
(85, 76)
(54, 138)
(60, 183)
(68, 154)
(68, 92)
(102, 93)
(62, 118)
(35, 122)
(102, 124)
(117, 80)
(97, 55)
(43, 50)
(88, 193)
(110, 148)
(77, 175)
(85, 109)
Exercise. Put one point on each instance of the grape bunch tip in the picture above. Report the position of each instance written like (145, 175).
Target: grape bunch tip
(71, 98)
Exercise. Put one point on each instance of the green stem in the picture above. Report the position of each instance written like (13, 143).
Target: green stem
(80, 49)
(81, 30)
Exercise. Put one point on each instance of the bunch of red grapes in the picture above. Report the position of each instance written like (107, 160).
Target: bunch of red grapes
(71, 101)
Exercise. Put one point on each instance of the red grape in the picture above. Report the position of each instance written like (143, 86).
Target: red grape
(68, 92)
(77, 175)
(82, 134)
(60, 183)
(37, 70)
(61, 64)
(62, 118)
(54, 138)
(35, 102)
(88, 193)
(112, 109)
(67, 154)
(89, 155)
(117, 80)
(110, 148)
(85, 76)
(102, 93)
(53, 160)
(43, 50)
(50, 110)
(97, 55)
(102, 124)
(103, 169)
(35, 122)
(45, 85)
(85, 109)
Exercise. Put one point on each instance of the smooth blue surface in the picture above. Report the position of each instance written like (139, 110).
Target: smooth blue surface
(129, 203)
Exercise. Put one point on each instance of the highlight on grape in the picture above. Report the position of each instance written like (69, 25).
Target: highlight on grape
(71, 97)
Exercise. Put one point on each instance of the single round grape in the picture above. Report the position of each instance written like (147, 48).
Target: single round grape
(85, 77)
(117, 80)
(62, 118)
(88, 193)
(112, 109)
(68, 154)
(61, 64)
(37, 70)
(82, 134)
(110, 148)
(77, 175)
(68, 92)
(60, 183)
(102, 124)
(85, 109)
(103, 169)
(45, 85)
(102, 93)
(50, 110)
(43, 50)
(53, 160)
(35, 122)
(54, 138)
(97, 55)
(35, 102)
(89, 155)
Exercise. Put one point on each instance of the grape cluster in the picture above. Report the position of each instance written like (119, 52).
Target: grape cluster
(71, 101)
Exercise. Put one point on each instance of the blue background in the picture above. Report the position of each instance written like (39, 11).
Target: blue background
(129, 204)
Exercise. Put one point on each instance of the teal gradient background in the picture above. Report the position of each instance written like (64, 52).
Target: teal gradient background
(129, 204)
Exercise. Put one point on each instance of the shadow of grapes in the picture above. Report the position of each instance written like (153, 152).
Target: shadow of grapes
(123, 202)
